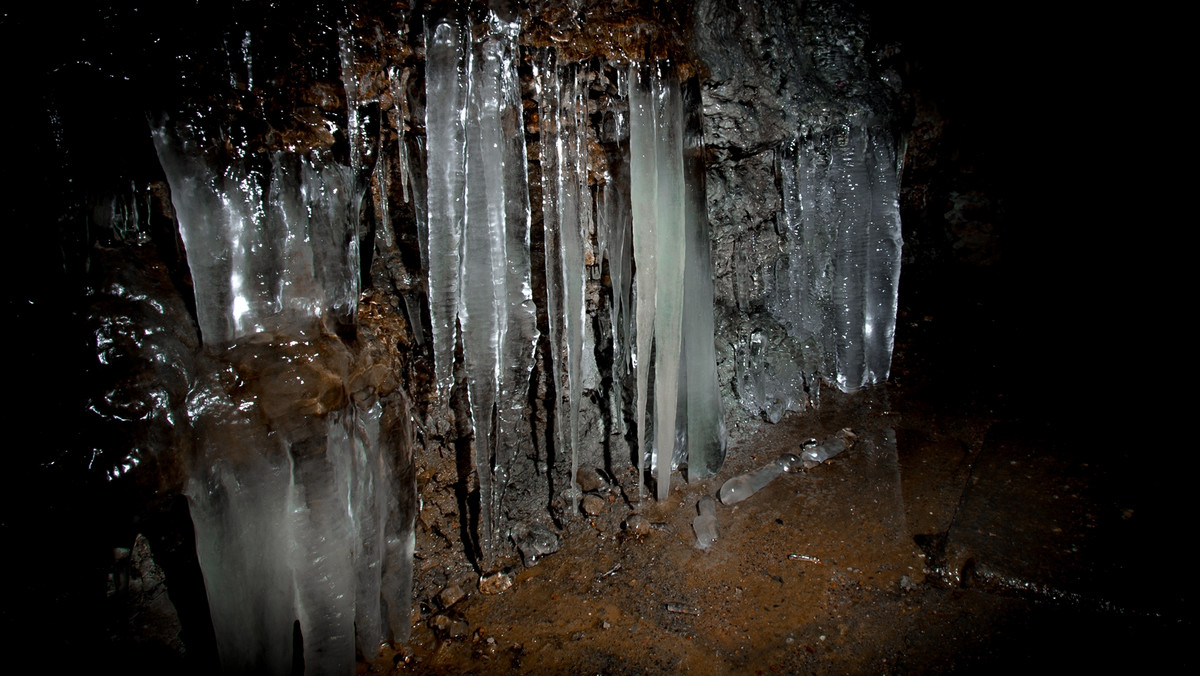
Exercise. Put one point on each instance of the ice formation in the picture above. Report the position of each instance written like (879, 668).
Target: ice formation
(300, 521)
(635, 218)
(479, 272)
(836, 287)
(705, 523)
(743, 486)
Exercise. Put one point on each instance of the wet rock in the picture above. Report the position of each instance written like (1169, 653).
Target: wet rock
(451, 595)
(495, 583)
(593, 504)
(459, 629)
(535, 541)
(589, 479)
(440, 624)
(638, 525)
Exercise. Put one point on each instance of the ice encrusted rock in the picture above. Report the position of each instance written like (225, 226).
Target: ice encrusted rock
(272, 247)
(836, 286)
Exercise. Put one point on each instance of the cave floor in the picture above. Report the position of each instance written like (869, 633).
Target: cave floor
(972, 527)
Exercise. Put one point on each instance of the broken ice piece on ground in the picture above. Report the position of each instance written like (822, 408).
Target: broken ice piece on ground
(815, 455)
(743, 486)
(705, 524)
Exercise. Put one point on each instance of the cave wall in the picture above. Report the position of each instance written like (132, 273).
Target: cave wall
(350, 83)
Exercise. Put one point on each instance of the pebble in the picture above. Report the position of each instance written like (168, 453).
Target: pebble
(592, 504)
(495, 583)
(637, 524)
(451, 595)
(440, 624)
(589, 479)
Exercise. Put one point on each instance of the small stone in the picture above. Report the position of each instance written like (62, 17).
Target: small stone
(440, 624)
(589, 479)
(450, 595)
(495, 583)
(638, 525)
(606, 625)
(906, 584)
(592, 504)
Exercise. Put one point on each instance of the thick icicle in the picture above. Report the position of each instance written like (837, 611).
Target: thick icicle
(517, 347)
(562, 111)
(497, 315)
(643, 181)
(883, 255)
(446, 83)
(574, 221)
(489, 277)
(614, 228)
(706, 435)
(668, 300)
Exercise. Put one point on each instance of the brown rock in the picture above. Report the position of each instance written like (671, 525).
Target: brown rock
(592, 504)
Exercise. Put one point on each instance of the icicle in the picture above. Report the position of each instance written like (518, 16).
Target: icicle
(883, 255)
(643, 180)
(550, 159)
(573, 219)
(706, 435)
(615, 227)
(668, 320)
(446, 85)
(491, 276)
(520, 339)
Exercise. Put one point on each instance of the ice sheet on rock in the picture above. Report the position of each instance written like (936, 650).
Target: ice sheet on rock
(271, 245)
(835, 287)
(293, 514)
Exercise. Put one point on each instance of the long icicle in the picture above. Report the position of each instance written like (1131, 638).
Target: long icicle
(643, 183)
(446, 85)
(668, 319)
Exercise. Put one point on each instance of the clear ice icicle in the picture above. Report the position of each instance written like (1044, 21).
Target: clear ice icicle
(481, 269)
(743, 486)
(643, 180)
(705, 524)
(706, 434)
(446, 102)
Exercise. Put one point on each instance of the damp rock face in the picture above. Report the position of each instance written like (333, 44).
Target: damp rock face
(384, 279)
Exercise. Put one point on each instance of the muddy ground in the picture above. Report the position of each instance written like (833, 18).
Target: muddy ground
(976, 525)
